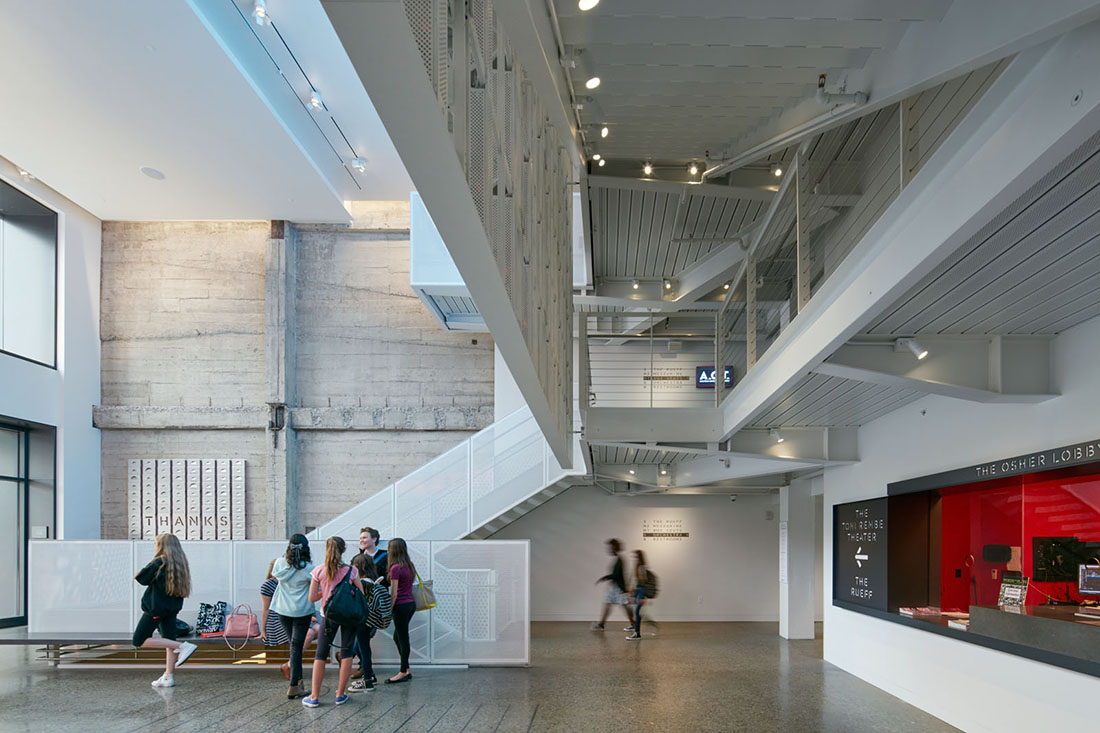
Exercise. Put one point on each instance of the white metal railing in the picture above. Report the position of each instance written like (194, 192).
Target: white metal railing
(483, 588)
(463, 489)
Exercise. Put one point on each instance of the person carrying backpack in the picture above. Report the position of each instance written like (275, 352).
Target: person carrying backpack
(168, 581)
(645, 587)
(365, 682)
(290, 602)
(325, 578)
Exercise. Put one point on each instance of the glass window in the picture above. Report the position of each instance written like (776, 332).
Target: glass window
(28, 277)
(10, 463)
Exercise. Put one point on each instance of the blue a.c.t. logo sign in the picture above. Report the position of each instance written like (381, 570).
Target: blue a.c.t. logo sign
(704, 377)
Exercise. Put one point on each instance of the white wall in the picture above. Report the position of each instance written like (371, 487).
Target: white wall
(969, 686)
(727, 570)
(64, 397)
(618, 374)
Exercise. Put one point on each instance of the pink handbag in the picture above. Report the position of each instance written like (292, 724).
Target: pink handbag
(241, 624)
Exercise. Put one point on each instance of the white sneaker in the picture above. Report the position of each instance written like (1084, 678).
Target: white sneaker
(185, 650)
(165, 680)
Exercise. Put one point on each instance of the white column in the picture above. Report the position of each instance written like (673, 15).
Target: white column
(796, 585)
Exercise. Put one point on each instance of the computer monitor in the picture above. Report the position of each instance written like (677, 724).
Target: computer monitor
(1088, 580)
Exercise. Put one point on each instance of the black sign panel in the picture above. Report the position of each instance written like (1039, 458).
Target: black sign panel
(859, 553)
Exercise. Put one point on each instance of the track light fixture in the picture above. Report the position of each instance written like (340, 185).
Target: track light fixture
(668, 285)
(25, 174)
(603, 131)
(596, 156)
(694, 169)
(774, 432)
(592, 82)
(259, 12)
(912, 345)
(602, 162)
(635, 284)
(315, 100)
(359, 164)
(664, 470)
(725, 286)
(647, 169)
(632, 472)
(777, 170)
(588, 5)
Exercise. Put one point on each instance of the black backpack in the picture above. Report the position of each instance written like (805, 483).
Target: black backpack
(650, 584)
(347, 604)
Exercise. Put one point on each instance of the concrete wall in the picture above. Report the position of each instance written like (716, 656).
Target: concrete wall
(63, 397)
(376, 388)
(727, 570)
(964, 684)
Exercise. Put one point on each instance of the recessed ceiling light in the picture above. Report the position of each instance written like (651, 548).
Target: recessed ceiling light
(603, 131)
(596, 156)
(777, 170)
(315, 100)
(693, 169)
(635, 284)
(647, 169)
(588, 5)
(153, 173)
(602, 162)
(259, 12)
(592, 83)
(359, 164)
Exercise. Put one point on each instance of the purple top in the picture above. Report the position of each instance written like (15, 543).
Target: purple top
(404, 579)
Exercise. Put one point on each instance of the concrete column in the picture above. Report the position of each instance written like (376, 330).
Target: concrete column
(796, 595)
(280, 329)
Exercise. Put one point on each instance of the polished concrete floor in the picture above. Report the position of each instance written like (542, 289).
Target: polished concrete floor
(692, 677)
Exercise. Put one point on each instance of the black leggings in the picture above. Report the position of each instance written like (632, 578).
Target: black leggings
(328, 635)
(402, 615)
(361, 649)
(296, 628)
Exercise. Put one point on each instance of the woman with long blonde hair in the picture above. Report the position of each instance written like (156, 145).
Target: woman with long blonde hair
(325, 578)
(168, 581)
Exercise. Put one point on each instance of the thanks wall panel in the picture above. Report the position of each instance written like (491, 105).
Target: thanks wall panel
(194, 499)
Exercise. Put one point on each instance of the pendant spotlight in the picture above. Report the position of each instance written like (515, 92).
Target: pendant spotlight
(774, 432)
(259, 12)
(668, 285)
(912, 345)
(635, 284)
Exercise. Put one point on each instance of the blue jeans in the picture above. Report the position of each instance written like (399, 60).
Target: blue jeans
(639, 597)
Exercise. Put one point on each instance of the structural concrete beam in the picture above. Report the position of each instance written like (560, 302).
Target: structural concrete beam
(821, 446)
(644, 423)
(1043, 106)
(714, 469)
(1002, 369)
(930, 54)
(380, 45)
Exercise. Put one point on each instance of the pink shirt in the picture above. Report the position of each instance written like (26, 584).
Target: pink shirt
(327, 584)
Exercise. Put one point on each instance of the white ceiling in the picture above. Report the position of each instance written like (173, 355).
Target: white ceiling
(682, 78)
(104, 89)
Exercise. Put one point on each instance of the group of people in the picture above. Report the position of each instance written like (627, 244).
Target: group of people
(641, 587)
(290, 615)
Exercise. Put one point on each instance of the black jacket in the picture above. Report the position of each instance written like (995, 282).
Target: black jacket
(616, 575)
(156, 601)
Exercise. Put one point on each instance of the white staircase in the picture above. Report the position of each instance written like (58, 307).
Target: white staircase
(470, 492)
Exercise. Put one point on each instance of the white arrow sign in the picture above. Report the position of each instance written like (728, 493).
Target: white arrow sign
(860, 557)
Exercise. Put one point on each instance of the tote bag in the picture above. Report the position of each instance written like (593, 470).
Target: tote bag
(423, 594)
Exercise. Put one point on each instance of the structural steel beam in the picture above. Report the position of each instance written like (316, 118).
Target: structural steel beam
(1003, 369)
(644, 423)
(932, 53)
(1042, 108)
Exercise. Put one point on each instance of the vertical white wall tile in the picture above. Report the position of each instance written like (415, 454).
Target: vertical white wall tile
(224, 493)
(164, 496)
(194, 500)
(179, 499)
(209, 502)
(133, 500)
(148, 499)
(240, 526)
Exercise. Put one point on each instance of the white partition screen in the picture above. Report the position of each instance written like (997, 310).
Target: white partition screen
(87, 587)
